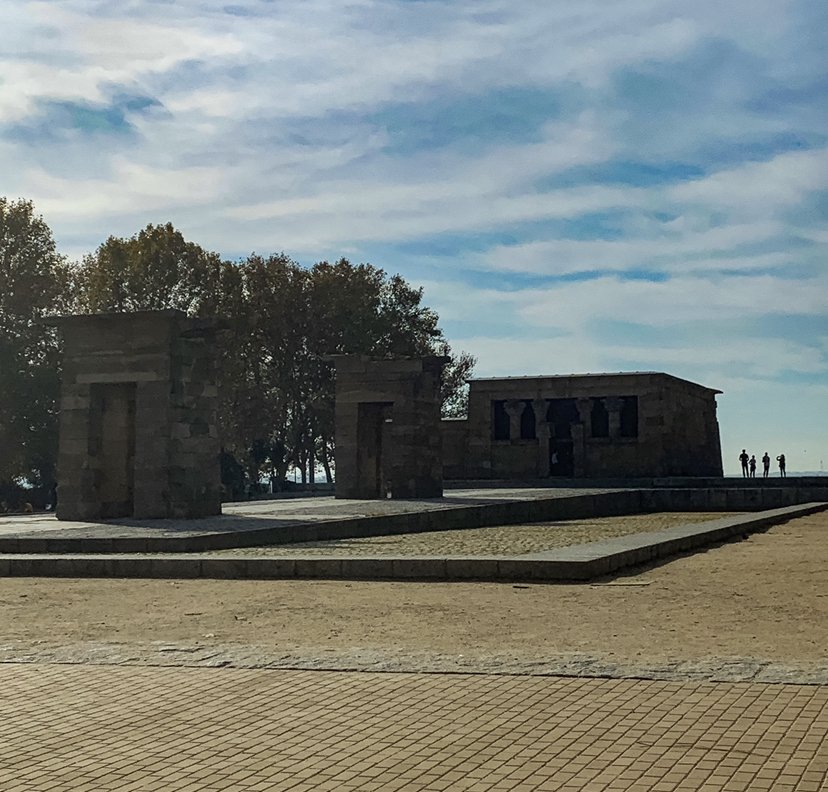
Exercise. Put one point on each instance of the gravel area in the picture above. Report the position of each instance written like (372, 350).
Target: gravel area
(503, 540)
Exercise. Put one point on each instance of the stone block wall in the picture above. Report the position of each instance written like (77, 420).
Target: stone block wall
(388, 438)
(454, 433)
(138, 434)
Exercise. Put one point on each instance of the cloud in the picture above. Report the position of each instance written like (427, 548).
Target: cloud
(579, 354)
(714, 330)
(780, 182)
(673, 249)
(677, 300)
(136, 188)
(85, 54)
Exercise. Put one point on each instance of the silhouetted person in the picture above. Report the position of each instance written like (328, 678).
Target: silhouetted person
(743, 458)
(752, 466)
(765, 465)
(781, 460)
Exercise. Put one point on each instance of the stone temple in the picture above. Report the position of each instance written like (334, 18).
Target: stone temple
(138, 434)
(636, 425)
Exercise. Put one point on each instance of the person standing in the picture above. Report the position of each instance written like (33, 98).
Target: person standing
(743, 458)
(752, 464)
(781, 460)
(765, 465)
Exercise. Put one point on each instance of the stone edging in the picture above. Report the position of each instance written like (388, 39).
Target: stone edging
(571, 664)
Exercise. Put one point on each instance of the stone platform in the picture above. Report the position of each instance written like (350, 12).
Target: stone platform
(254, 523)
(574, 563)
(274, 522)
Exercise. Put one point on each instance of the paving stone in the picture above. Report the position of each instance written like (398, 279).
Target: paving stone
(88, 727)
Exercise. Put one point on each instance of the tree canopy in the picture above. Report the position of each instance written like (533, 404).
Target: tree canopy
(34, 282)
(280, 322)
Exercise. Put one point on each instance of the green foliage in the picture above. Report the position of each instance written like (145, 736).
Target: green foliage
(157, 268)
(455, 391)
(34, 282)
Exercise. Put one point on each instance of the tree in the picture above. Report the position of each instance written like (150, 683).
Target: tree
(34, 283)
(269, 349)
(454, 390)
(154, 269)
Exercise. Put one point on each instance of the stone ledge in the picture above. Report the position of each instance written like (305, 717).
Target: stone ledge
(574, 563)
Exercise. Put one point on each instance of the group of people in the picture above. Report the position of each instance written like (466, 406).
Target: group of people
(749, 464)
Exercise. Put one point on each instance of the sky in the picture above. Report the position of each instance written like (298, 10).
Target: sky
(578, 186)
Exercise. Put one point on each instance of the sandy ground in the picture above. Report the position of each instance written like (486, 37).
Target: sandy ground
(764, 598)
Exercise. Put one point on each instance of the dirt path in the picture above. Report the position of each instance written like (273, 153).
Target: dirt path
(764, 598)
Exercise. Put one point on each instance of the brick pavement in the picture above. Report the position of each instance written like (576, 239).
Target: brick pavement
(99, 728)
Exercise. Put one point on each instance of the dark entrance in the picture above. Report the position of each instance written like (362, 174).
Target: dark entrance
(561, 458)
(373, 423)
(112, 446)
(561, 414)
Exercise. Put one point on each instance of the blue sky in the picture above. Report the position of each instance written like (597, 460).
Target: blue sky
(579, 187)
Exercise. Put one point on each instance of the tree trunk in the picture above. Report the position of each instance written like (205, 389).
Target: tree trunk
(326, 464)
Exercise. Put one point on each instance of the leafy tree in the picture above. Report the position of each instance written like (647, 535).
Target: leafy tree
(454, 390)
(34, 282)
(154, 269)
(270, 350)
(280, 322)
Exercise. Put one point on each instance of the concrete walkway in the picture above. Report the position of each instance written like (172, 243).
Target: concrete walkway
(90, 729)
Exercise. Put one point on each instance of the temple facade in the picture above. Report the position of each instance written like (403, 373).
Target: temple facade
(629, 425)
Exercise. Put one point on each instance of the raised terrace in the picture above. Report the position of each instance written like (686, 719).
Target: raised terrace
(539, 536)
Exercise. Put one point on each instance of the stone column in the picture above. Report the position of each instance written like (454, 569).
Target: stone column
(579, 432)
(543, 430)
(514, 409)
(614, 405)
(578, 451)
(584, 406)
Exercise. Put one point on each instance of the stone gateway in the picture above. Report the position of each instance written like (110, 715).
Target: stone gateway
(138, 434)
(388, 440)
